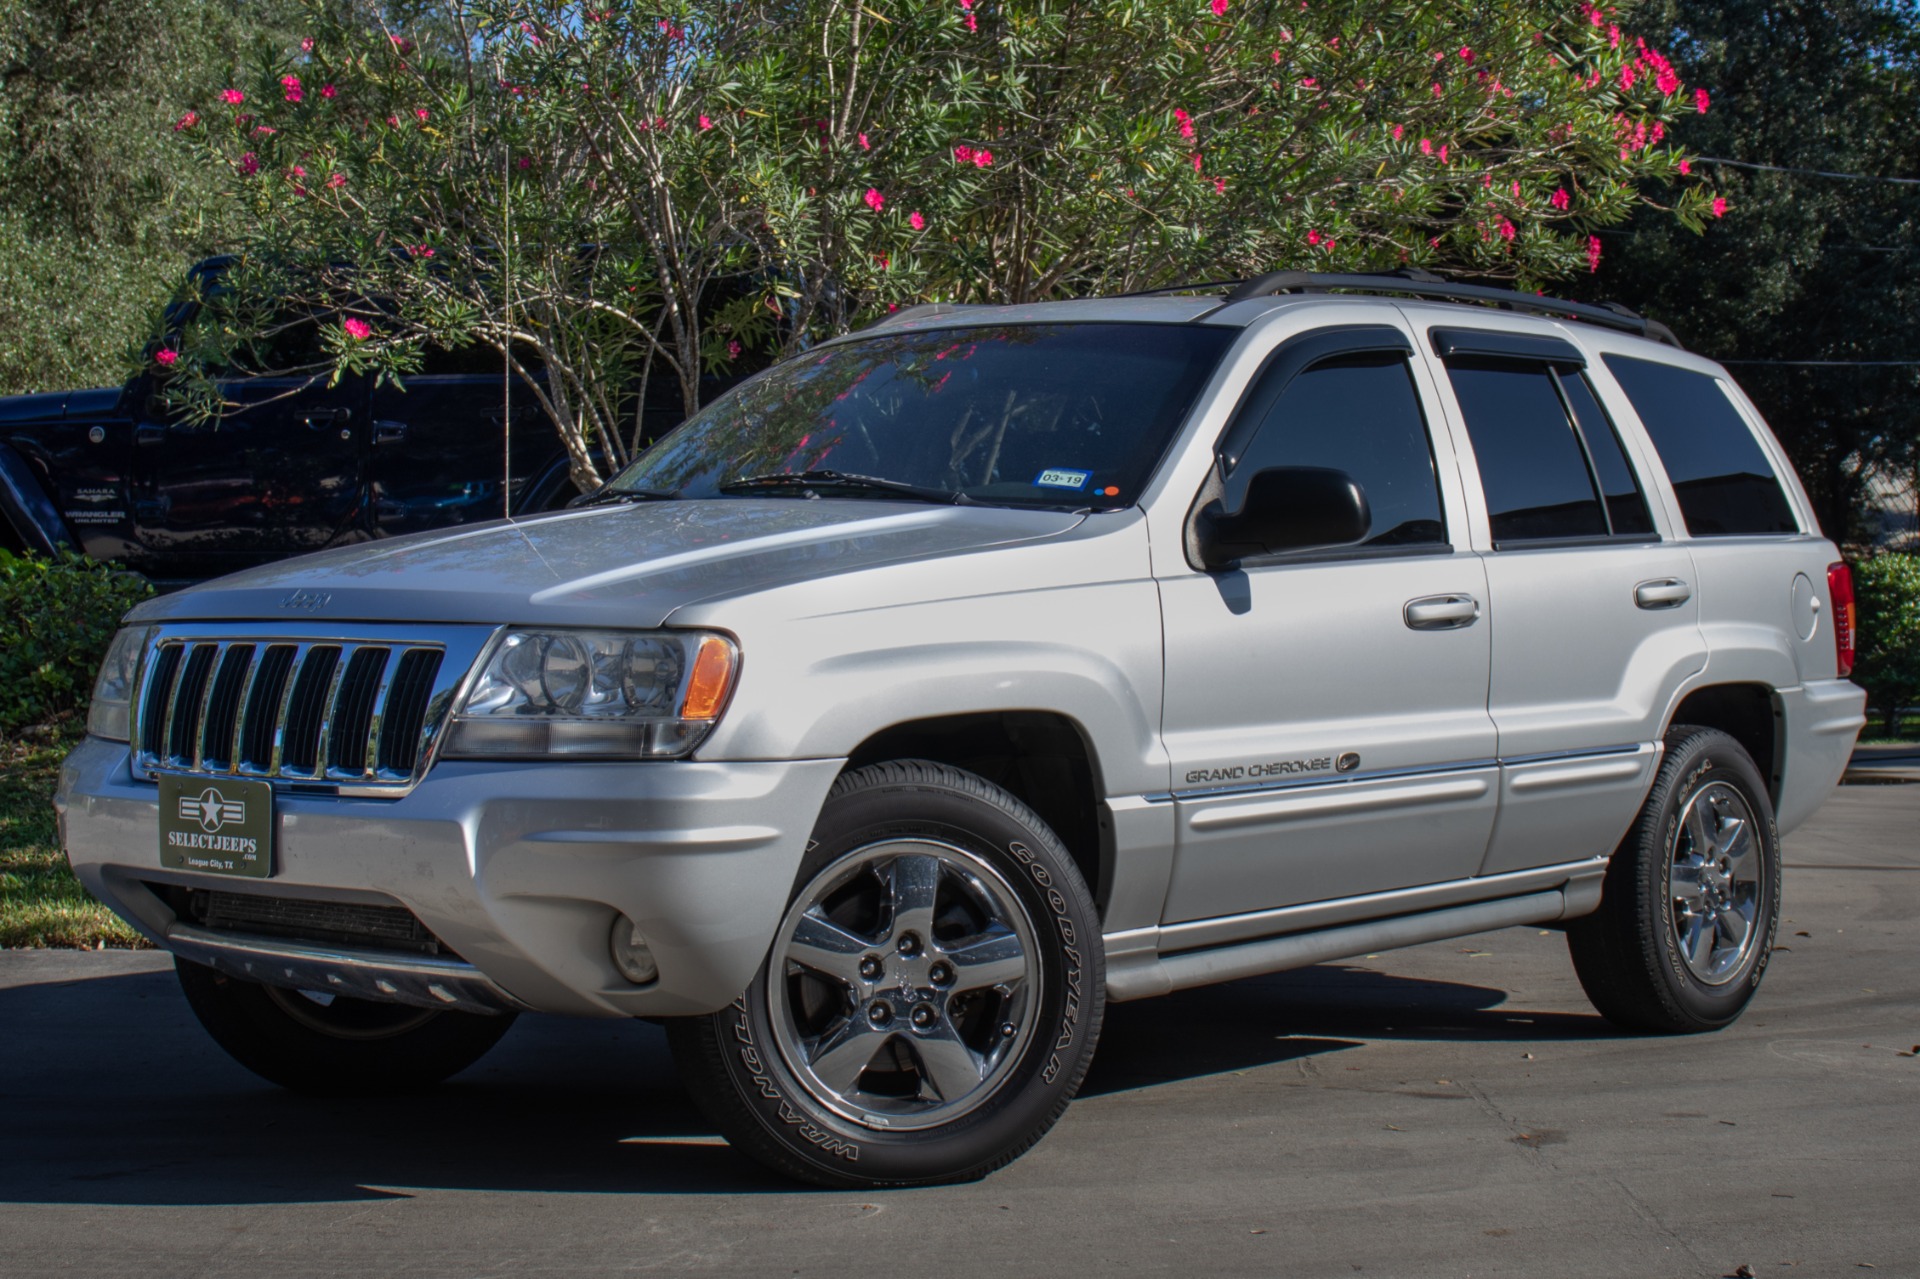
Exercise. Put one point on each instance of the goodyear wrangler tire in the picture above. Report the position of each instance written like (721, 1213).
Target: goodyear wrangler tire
(1692, 896)
(931, 1000)
(325, 1045)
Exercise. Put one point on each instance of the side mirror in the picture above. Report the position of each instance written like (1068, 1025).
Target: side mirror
(1287, 508)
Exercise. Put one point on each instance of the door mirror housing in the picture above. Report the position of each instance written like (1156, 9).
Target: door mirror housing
(1286, 508)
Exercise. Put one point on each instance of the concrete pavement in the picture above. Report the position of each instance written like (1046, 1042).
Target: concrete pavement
(1456, 1109)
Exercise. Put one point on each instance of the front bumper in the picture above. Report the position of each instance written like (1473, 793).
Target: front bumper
(520, 868)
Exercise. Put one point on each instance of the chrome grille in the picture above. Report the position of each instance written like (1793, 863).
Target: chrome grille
(359, 712)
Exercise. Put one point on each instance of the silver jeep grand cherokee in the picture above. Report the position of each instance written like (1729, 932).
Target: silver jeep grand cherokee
(948, 680)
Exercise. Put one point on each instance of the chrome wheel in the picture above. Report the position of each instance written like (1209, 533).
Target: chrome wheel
(904, 984)
(1713, 883)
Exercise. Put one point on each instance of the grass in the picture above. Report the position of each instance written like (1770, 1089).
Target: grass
(1905, 731)
(41, 903)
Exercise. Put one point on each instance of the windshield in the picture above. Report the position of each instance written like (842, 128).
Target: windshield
(1059, 415)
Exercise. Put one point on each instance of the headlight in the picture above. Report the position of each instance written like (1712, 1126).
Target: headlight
(109, 714)
(610, 694)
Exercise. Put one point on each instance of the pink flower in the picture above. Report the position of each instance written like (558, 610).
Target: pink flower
(1313, 239)
(1186, 122)
(1196, 162)
(1219, 186)
(733, 349)
(1668, 81)
(1219, 8)
(232, 97)
(166, 359)
(297, 171)
(874, 199)
(1719, 206)
(916, 220)
(525, 162)
(1307, 82)
(1613, 37)
(1466, 55)
(1701, 101)
(963, 153)
(1593, 254)
(973, 23)
(357, 329)
(706, 124)
(1686, 167)
(249, 165)
(420, 251)
(337, 180)
(420, 114)
(306, 45)
(1426, 146)
(1437, 91)
(1443, 153)
(290, 84)
(1507, 231)
(1626, 76)
(1560, 199)
(864, 144)
(1516, 189)
(393, 122)
(328, 92)
(1398, 129)
(185, 122)
(983, 159)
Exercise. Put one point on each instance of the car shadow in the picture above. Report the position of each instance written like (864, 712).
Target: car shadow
(110, 1092)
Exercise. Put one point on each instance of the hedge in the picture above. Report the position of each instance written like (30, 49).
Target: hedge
(59, 616)
(1887, 592)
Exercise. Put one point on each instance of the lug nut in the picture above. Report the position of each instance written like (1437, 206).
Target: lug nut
(879, 1014)
(909, 945)
(870, 967)
(940, 974)
(1007, 1030)
(923, 1016)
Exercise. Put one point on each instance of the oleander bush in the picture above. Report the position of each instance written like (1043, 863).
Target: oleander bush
(59, 616)
(1887, 594)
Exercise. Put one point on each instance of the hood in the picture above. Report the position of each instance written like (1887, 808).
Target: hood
(55, 406)
(606, 566)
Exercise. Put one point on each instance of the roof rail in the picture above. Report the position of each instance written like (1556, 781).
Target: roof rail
(1424, 284)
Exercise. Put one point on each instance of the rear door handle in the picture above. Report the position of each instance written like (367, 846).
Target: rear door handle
(1442, 612)
(1662, 592)
(385, 432)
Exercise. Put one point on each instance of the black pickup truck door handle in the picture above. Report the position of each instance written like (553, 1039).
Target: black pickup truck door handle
(320, 419)
(385, 432)
(150, 433)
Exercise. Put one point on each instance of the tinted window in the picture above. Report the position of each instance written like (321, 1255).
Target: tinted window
(1361, 415)
(1626, 508)
(1531, 463)
(1722, 478)
(1060, 415)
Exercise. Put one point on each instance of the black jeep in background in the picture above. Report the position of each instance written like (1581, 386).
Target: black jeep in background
(110, 474)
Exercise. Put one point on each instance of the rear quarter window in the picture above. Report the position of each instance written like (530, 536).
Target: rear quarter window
(1721, 475)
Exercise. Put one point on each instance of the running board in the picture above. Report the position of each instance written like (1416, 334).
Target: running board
(1141, 976)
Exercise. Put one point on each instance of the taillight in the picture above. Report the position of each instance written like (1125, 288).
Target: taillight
(1840, 590)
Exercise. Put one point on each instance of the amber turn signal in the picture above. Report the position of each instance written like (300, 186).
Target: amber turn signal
(711, 680)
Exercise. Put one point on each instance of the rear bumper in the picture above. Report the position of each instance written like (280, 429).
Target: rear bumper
(1823, 717)
(520, 868)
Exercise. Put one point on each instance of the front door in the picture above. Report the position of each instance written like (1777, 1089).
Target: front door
(1326, 711)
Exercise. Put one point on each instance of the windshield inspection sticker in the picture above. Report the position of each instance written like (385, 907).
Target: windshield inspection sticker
(1058, 477)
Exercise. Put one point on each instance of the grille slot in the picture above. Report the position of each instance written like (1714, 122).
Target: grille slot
(329, 710)
(375, 927)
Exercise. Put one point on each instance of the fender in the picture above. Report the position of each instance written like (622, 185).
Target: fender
(26, 506)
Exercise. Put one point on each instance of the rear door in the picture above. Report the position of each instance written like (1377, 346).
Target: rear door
(456, 443)
(1326, 711)
(1598, 611)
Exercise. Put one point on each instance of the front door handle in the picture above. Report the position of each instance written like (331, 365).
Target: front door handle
(1442, 612)
(1662, 592)
(385, 432)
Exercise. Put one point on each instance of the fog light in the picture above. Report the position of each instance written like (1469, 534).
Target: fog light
(630, 953)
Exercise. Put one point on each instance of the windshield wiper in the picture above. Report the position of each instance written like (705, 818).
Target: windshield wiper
(805, 480)
(606, 496)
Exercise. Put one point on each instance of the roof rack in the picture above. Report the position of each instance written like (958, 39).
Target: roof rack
(1415, 282)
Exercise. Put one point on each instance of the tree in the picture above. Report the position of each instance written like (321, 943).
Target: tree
(1803, 267)
(97, 215)
(617, 193)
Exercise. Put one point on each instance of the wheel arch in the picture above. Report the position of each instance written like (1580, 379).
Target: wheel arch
(1044, 758)
(1748, 711)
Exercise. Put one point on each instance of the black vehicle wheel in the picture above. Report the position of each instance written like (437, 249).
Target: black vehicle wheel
(332, 1045)
(932, 997)
(1692, 897)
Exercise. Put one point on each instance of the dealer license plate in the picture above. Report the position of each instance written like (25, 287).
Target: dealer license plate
(223, 826)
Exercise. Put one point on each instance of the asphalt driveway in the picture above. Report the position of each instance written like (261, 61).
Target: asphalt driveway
(1455, 1109)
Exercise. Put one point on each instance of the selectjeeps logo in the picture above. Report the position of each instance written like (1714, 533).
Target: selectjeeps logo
(212, 810)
